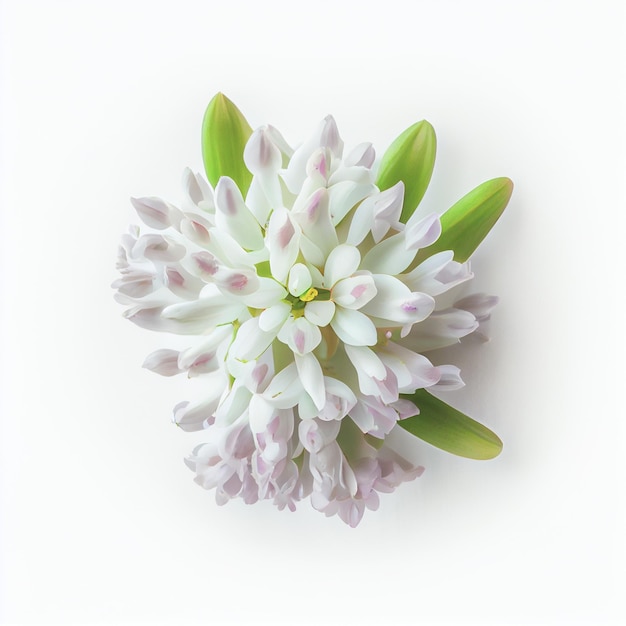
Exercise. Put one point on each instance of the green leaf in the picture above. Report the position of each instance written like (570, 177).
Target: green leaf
(410, 158)
(444, 427)
(225, 132)
(466, 223)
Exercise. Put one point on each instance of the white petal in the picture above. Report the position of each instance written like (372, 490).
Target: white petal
(390, 256)
(312, 378)
(319, 312)
(342, 262)
(311, 252)
(164, 362)
(365, 360)
(250, 341)
(211, 311)
(353, 328)
(268, 293)
(152, 318)
(196, 417)
(354, 292)
(299, 280)
(344, 195)
(257, 199)
(362, 221)
(261, 414)
(285, 389)
(233, 216)
(274, 317)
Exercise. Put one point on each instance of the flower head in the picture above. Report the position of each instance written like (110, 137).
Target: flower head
(309, 302)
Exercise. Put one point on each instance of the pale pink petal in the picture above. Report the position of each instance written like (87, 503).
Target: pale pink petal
(479, 304)
(394, 302)
(354, 292)
(362, 155)
(314, 219)
(158, 248)
(300, 335)
(203, 357)
(199, 194)
(441, 329)
(260, 154)
(164, 362)
(339, 400)
(283, 241)
(315, 434)
(413, 371)
(387, 209)
(182, 283)
(156, 213)
(422, 233)
(450, 378)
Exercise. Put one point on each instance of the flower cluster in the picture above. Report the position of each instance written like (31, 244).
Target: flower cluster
(308, 309)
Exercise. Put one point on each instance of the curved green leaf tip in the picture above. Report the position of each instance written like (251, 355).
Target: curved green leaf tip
(444, 427)
(465, 224)
(225, 132)
(411, 159)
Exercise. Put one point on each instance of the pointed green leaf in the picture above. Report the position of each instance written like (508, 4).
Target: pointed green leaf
(225, 132)
(466, 223)
(444, 427)
(410, 158)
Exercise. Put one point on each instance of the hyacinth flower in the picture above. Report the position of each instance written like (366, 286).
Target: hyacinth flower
(312, 293)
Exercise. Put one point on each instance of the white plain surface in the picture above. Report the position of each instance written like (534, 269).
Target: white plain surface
(100, 520)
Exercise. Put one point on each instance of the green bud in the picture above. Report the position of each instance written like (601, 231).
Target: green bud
(225, 132)
(410, 158)
(466, 223)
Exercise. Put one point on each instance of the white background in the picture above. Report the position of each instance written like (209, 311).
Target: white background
(100, 520)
